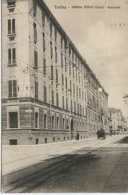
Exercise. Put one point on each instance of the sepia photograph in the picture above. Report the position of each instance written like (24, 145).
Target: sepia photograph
(64, 96)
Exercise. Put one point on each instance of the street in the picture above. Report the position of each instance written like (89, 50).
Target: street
(94, 165)
(102, 170)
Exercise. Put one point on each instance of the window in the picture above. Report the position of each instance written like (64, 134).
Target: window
(79, 93)
(36, 89)
(35, 59)
(71, 106)
(74, 90)
(69, 68)
(11, 26)
(45, 121)
(62, 79)
(55, 34)
(69, 50)
(65, 64)
(43, 19)
(61, 42)
(63, 123)
(37, 141)
(13, 142)
(65, 45)
(57, 122)
(66, 104)
(35, 32)
(51, 50)
(56, 76)
(54, 139)
(13, 119)
(34, 7)
(52, 73)
(52, 97)
(50, 28)
(70, 87)
(62, 59)
(55, 55)
(66, 83)
(12, 56)
(57, 100)
(43, 42)
(45, 140)
(53, 122)
(67, 124)
(74, 69)
(75, 107)
(44, 67)
(45, 94)
(63, 101)
(36, 119)
(12, 88)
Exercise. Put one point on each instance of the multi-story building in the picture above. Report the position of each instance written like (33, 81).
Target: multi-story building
(117, 121)
(49, 93)
(125, 99)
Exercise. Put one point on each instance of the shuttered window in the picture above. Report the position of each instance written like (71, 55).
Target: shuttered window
(11, 26)
(13, 119)
(12, 88)
(45, 94)
(35, 32)
(35, 59)
(11, 56)
(36, 89)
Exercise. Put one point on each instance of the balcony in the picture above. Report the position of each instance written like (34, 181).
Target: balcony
(12, 36)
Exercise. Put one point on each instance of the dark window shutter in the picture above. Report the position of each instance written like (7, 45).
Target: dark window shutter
(9, 56)
(13, 119)
(35, 32)
(35, 59)
(14, 55)
(14, 88)
(36, 90)
(9, 26)
(13, 26)
(10, 88)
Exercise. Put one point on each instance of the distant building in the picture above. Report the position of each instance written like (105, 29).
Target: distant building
(117, 121)
(125, 99)
(49, 93)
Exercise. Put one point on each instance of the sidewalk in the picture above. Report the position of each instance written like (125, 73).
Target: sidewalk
(15, 158)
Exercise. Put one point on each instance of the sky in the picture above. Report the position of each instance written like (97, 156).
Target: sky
(101, 35)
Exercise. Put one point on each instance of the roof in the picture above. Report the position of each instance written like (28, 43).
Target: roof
(49, 13)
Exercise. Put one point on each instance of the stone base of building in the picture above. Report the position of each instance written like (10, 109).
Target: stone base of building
(33, 123)
(33, 137)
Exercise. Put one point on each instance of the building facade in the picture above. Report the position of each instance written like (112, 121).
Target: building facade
(117, 121)
(49, 93)
(125, 100)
